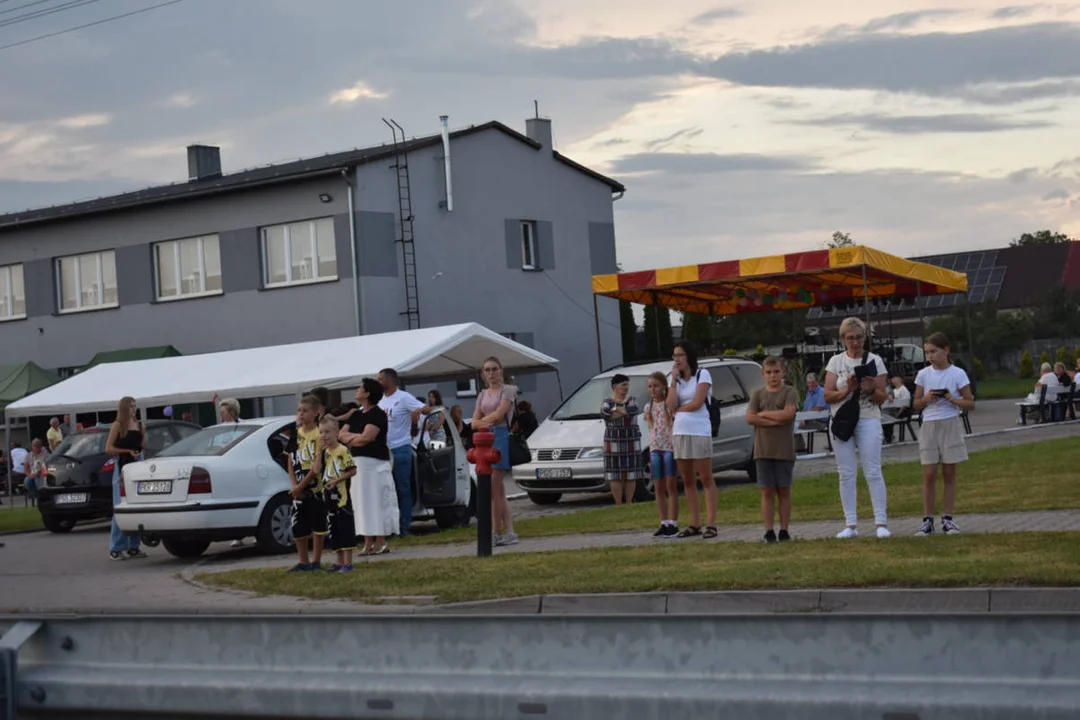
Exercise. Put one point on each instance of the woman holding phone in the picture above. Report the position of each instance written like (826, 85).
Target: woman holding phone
(689, 388)
(127, 438)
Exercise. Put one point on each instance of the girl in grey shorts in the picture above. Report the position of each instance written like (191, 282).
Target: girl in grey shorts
(942, 392)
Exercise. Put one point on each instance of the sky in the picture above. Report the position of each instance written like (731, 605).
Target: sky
(739, 128)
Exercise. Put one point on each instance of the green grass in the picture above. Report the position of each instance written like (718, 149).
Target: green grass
(18, 518)
(1022, 559)
(1005, 386)
(1034, 476)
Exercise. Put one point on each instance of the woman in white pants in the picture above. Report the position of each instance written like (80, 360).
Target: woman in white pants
(840, 383)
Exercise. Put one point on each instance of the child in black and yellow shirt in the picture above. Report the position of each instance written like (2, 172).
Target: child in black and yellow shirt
(309, 510)
(335, 468)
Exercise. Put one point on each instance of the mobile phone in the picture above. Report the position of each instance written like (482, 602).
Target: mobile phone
(939, 393)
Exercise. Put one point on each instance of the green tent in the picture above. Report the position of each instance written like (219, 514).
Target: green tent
(129, 354)
(18, 381)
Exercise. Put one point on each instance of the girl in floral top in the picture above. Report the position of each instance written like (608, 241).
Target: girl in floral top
(662, 456)
(622, 441)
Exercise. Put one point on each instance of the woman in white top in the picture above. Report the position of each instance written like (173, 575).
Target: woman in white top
(840, 383)
(688, 390)
(1047, 378)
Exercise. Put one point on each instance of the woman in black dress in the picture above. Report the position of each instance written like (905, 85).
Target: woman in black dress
(127, 438)
(375, 505)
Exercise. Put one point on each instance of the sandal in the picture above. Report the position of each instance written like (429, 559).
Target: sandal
(710, 532)
(385, 549)
(689, 531)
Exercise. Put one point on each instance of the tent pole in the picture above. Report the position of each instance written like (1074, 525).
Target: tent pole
(866, 303)
(558, 379)
(596, 320)
(970, 337)
(918, 304)
(7, 451)
(656, 311)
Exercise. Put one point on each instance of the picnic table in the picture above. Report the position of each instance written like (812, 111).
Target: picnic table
(810, 422)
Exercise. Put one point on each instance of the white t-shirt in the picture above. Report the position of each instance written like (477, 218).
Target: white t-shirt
(1049, 380)
(399, 408)
(952, 379)
(843, 365)
(901, 396)
(697, 422)
(18, 458)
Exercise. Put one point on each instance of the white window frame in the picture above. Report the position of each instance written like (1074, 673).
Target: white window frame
(201, 271)
(528, 245)
(289, 280)
(9, 272)
(79, 306)
(471, 392)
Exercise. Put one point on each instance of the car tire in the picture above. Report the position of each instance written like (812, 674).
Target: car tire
(57, 525)
(453, 516)
(275, 527)
(543, 498)
(185, 549)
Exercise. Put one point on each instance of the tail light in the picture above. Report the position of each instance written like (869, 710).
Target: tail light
(199, 482)
(109, 466)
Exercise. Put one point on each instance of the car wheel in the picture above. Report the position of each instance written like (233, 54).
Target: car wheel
(275, 527)
(451, 516)
(544, 498)
(57, 525)
(186, 549)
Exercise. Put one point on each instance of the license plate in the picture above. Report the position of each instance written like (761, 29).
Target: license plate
(554, 474)
(155, 487)
(71, 498)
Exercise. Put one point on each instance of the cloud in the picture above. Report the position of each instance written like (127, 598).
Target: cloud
(996, 94)
(181, 100)
(77, 122)
(1018, 177)
(923, 124)
(359, 91)
(1057, 194)
(611, 142)
(721, 13)
(905, 20)
(1012, 12)
(706, 163)
(685, 133)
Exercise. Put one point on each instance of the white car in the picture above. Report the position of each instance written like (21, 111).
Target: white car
(229, 482)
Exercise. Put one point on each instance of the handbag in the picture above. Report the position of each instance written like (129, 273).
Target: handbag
(843, 421)
(520, 453)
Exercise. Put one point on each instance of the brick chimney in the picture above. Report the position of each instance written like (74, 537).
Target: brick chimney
(204, 162)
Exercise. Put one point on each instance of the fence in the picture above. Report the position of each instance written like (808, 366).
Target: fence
(832, 667)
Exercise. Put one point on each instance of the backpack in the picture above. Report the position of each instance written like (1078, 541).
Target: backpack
(713, 406)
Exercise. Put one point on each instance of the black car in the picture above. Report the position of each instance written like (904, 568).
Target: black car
(80, 473)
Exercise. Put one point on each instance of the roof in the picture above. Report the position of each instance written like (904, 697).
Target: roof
(18, 381)
(269, 174)
(781, 282)
(129, 354)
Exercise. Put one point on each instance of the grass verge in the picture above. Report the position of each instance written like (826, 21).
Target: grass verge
(1021, 559)
(1005, 387)
(12, 518)
(1034, 476)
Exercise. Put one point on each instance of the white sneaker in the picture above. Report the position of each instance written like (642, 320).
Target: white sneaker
(848, 533)
(883, 532)
(237, 543)
(510, 538)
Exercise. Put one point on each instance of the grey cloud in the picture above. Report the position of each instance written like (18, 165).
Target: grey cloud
(1019, 177)
(923, 124)
(1015, 11)
(611, 142)
(707, 163)
(994, 94)
(905, 20)
(685, 133)
(720, 13)
(1057, 194)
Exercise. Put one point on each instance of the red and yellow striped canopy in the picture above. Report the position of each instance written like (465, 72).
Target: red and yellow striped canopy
(782, 282)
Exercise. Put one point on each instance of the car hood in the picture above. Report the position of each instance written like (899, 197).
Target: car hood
(567, 433)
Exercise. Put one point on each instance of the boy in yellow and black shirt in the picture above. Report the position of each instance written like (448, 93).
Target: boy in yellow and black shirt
(335, 468)
(309, 511)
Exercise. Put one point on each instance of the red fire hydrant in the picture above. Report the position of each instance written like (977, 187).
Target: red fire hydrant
(484, 455)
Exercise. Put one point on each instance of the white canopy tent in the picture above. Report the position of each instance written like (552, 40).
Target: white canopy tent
(430, 353)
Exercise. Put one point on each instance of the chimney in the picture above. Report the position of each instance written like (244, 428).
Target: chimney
(539, 129)
(203, 162)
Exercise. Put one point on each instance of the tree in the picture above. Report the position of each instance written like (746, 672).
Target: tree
(628, 327)
(1027, 368)
(697, 328)
(993, 333)
(1040, 237)
(1044, 358)
(839, 240)
(652, 349)
(1056, 314)
(667, 337)
(1061, 356)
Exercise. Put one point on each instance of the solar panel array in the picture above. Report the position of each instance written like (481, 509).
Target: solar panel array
(985, 278)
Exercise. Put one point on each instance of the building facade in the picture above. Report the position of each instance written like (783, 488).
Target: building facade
(313, 250)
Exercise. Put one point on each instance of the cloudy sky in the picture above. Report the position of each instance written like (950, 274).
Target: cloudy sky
(740, 129)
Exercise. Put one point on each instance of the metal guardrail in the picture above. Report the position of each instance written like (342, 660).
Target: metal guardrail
(893, 667)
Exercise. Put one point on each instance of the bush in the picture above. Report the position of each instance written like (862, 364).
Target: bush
(1027, 368)
(980, 370)
(731, 351)
(760, 350)
(1076, 355)
(1062, 356)
(1043, 358)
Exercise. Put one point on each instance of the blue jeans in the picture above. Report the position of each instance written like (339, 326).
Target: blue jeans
(118, 541)
(403, 465)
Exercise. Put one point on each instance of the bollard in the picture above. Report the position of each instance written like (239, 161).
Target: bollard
(482, 454)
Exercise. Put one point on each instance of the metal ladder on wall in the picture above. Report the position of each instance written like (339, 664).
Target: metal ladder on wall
(405, 217)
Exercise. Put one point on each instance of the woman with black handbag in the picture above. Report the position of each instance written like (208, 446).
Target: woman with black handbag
(494, 413)
(855, 389)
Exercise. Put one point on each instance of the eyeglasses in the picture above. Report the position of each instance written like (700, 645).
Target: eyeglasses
(678, 355)
(855, 338)
(491, 369)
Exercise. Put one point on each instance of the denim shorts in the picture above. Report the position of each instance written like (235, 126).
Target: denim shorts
(502, 442)
(663, 464)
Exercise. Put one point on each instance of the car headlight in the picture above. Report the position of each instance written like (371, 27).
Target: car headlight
(589, 453)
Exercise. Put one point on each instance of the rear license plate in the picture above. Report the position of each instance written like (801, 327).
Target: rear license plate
(71, 498)
(155, 487)
(554, 474)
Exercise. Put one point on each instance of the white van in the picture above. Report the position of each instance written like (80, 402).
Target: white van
(568, 447)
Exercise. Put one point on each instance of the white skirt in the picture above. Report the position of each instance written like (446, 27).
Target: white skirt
(374, 497)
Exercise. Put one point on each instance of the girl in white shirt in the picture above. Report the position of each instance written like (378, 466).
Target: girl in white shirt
(689, 388)
(942, 392)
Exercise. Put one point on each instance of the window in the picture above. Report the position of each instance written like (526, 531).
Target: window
(12, 293)
(466, 388)
(528, 245)
(725, 388)
(87, 282)
(187, 268)
(750, 375)
(301, 252)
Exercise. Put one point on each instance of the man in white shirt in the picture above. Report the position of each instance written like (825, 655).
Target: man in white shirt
(17, 465)
(402, 409)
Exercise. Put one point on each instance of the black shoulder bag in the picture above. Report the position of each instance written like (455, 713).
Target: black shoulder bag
(843, 421)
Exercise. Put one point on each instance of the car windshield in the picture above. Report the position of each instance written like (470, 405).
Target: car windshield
(585, 403)
(216, 440)
(82, 445)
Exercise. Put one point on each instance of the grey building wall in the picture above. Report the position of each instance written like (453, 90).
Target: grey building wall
(463, 267)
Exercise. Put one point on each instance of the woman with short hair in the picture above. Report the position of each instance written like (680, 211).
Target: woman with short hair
(375, 503)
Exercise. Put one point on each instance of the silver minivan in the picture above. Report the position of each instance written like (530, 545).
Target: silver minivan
(568, 447)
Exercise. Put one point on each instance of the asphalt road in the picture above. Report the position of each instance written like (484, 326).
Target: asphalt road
(54, 573)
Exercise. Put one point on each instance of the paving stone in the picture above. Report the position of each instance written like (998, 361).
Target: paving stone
(528, 605)
(1035, 600)
(605, 604)
(736, 602)
(901, 600)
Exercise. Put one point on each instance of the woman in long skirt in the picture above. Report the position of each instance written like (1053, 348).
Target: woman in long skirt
(622, 441)
(375, 505)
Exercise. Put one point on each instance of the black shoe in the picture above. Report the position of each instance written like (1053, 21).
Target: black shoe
(770, 536)
(927, 527)
(784, 537)
(660, 532)
(668, 532)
